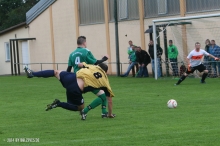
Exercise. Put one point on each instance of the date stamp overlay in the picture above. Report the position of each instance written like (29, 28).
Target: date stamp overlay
(22, 140)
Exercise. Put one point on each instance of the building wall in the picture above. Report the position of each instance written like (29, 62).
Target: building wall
(40, 49)
(127, 30)
(60, 33)
(20, 33)
(64, 36)
(64, 28)
(95, 38)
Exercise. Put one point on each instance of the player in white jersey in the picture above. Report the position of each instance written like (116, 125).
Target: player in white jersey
(194, 61)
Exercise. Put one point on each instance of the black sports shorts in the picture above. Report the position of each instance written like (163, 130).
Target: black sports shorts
(73, 92)
(200, 68)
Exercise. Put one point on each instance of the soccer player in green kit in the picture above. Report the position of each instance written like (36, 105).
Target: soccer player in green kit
(82, 54)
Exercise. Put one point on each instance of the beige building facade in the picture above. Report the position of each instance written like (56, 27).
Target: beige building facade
(18, 31)
(57, 27)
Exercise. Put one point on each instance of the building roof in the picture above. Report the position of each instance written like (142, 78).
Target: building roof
(37, 9)
(23, 24)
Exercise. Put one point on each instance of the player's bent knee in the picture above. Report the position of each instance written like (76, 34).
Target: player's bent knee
(185, 74)
(81, 107)
(57, 74)
(100, 92)
(205, 71)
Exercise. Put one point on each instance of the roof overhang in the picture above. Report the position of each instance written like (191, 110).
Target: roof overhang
(23, 24)
(22, 39)
(150, 30)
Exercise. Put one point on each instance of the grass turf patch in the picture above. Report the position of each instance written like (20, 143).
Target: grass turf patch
(139, 103)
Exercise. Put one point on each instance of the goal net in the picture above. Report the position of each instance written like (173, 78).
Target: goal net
(184, 33)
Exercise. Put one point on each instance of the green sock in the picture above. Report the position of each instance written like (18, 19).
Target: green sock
(100, 100)
(93, 105)
(104, 111)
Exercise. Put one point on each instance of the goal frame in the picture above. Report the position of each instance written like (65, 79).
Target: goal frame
(173, 19)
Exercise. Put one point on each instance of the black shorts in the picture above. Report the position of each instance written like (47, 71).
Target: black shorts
(73, 92)
(90, 89)
(200, 68)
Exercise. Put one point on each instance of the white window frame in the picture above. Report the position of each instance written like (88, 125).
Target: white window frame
(123, 9)
(7, 52)
(162, 5)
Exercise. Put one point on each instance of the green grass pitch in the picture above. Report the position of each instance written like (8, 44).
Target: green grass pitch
(143, 118)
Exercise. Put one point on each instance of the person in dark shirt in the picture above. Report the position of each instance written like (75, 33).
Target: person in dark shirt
(159, 53)
(207, 59)
(143, 60)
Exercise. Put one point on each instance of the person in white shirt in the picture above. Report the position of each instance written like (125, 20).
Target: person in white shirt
(194, 61)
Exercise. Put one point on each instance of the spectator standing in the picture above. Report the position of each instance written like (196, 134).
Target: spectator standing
(132, 62)
(159, 53)
(207, 59)
(143, 60)
(215, 51)
(172, 55)
(130, 51)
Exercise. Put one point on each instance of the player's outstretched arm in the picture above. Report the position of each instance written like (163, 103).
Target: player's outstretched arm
(69, 68)
(110, 105)
(188, 61)
(102, 60)
(213, 57)
(80, 65)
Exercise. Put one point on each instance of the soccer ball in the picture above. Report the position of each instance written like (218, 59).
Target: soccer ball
(172, 103)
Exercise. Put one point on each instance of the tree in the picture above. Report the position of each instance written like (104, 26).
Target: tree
(13, 12)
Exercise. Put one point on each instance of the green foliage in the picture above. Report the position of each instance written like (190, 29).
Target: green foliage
(13, 12)
(143, 118)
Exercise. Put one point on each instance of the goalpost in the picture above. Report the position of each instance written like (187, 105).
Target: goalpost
(185, 31)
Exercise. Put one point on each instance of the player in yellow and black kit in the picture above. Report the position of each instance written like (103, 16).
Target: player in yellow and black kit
(96, 81)
(91, 78)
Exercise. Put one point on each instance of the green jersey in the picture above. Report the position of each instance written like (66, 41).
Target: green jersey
(133, 56)
(172, 52)
(129, 50)
(80, 55)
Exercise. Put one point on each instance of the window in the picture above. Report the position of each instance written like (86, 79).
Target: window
(111, 10)
(91, 11)
(123, 9)
(7, 52)
(159, 8)
(127, 10)
(193, 6)
(162, 6)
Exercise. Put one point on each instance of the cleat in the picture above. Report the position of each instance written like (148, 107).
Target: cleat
(176, 84)
(83, 115)
(52, 105)
(202, 82)
(106, 115)
(28, 72)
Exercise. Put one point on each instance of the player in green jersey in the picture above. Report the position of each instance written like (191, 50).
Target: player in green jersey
(82, 54)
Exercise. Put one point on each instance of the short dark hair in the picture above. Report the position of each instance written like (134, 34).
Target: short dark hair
(213, 40)
(197, 43)
(103, 66)
(207, 40)
(134, 46)
(81, 40)
(170, 41)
